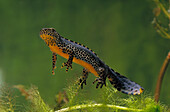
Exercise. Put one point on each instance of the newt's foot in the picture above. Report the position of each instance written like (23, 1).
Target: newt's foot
(68, 65)
(53, 70)
(100, 81)
(82, 82)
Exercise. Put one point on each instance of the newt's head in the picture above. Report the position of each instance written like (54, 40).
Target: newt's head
(49, 35)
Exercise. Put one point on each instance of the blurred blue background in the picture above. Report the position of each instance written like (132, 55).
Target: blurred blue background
(119, 31)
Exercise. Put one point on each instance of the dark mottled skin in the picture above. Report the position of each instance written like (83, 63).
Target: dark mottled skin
(81, 52)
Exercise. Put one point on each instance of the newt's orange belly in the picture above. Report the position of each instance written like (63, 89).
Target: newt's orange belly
(86, 65)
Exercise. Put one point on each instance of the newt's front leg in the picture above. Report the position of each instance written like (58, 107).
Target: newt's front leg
(84, 77)
(54, 58)
(68, 63)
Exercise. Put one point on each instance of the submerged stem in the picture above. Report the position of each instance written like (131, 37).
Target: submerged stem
(160, 78)
(163, 8)
(96, 105)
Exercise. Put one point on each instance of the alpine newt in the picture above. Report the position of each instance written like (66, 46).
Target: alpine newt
(82, 55)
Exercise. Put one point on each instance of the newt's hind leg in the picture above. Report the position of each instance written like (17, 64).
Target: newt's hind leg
(101, 80)
(54, 58)
(84, 77)
(68, 63)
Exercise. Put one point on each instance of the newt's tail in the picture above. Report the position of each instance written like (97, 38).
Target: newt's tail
(123, 84)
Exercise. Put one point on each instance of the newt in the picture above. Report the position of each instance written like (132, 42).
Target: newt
(82, 55)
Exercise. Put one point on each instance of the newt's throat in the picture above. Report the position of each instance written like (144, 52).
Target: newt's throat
(49, 40)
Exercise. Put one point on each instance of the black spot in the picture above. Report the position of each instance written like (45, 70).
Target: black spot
(118, 89)
(123, 87)
(111, 82)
